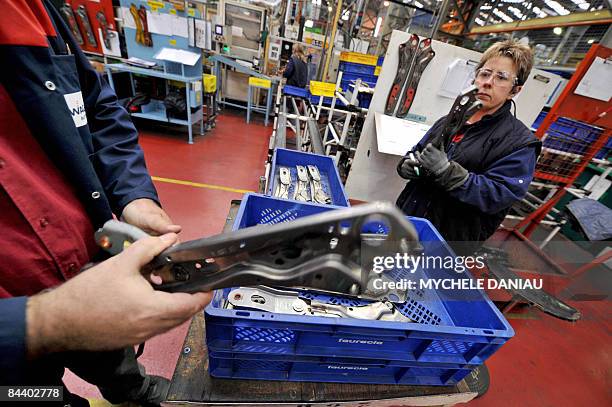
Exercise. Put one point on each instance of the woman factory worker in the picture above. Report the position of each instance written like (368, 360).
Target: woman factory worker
(296, 70)
(467, 191)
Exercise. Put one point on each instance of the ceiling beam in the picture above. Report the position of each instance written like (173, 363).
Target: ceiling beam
(587, 18)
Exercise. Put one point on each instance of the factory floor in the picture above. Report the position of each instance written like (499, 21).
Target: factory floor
(549, 362)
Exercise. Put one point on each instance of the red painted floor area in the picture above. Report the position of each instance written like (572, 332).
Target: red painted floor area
(556, 363)
(548, 363)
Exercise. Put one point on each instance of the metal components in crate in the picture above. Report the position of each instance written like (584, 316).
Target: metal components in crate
(316, 188)
(311, 178)
(308, 186)
(323, 252)
(290, 302)
(301, 188)
(284, 183)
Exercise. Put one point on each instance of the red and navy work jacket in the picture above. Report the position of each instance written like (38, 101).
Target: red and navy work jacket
(69, 160)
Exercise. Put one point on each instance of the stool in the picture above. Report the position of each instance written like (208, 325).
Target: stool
(259, 83)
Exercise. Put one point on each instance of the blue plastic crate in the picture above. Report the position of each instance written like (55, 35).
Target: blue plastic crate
(257, 209)
(347, 84)
(572, 136)
(364, 99)
(445, 330)
(355, 68)
(349, 78)
(296, 91)
(342, 370)
(327, 100)
(538, 121)
(604, 153)
(330, 179)
(380, 61)
(364, 78)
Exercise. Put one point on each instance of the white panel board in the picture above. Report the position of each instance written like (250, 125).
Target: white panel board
(533, 97)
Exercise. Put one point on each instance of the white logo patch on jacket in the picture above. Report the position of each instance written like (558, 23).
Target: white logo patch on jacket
(76, 106)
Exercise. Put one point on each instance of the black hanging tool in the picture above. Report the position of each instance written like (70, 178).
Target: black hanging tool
(68, 14)
(466, 104)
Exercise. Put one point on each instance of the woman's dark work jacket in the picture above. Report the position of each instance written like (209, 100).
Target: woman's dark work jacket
(500, 153)
(296, 72)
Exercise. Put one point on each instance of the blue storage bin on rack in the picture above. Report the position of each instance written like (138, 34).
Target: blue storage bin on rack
(571, 136)
(447, 339)
(355, 68)
(327, 101)
(296, 91)
(368, 73)
(349, 78)
(330, 178)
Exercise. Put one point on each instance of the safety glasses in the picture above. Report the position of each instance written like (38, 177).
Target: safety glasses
(500, 78)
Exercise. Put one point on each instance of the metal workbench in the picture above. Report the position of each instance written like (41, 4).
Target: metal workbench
(160, 114)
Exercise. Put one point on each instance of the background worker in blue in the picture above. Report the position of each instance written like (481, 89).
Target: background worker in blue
(296, 70)
(69, 161)
(467, 191)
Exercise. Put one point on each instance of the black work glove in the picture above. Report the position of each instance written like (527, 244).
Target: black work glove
(409, 167)
(433, 160)
(447, 174)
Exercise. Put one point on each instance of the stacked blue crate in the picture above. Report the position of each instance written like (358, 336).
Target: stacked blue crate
(572, 136)
(351, 71)
(330, 178)
(448, 337)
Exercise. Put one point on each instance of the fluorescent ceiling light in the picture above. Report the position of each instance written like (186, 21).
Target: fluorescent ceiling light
(516, 12)
(562, 11)
(582, 4)
(416, 3)
(539, 12)
(479, 21)
(503, 16)
(549, 12)
(377, 28)
(486, 7)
